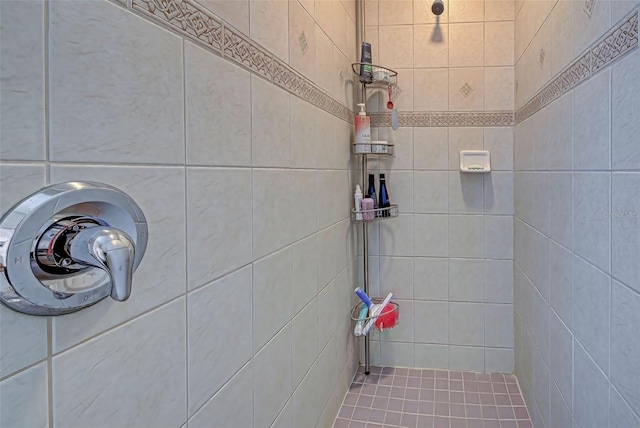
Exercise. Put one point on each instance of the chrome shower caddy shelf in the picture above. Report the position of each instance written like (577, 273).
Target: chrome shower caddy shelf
(382, 76)
(379, 213)
(355, 310)
(373, 149)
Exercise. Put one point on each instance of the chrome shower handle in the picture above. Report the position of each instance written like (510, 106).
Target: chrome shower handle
(109, 249)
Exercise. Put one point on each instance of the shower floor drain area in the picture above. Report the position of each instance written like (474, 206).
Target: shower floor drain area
(422, 398)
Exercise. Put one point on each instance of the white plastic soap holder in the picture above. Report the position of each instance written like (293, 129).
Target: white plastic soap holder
(475, 161)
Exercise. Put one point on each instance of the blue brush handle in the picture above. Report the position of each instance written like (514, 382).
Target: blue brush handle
(363, 296)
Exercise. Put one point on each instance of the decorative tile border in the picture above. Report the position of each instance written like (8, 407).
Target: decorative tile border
(616, 43)
(191, 20)
(445, 119)
(186, 17)
(194, 22)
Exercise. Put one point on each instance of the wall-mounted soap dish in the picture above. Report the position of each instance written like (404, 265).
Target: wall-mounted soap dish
(475, 161)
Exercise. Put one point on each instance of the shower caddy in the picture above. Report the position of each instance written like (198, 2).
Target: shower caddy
(382, 78)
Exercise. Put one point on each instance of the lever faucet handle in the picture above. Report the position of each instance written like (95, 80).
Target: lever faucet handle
(109, 249)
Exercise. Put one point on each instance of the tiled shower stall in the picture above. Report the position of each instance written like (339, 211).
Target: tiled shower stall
(229, 122)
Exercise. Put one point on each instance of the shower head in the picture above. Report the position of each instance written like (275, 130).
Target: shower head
(437, 7)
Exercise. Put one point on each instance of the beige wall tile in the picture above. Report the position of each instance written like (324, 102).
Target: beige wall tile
(324, 60)
(396, 46)
(269, 25)
(395, 12)
(235, 12)
(431, 89)
(498, 43)
(466, 45)
(463, 139)
(466, 10)
(371, 12)
(431, 148)
(302, 40)
(431, 46)
(499, 10)
(498, 94)
(469, 81)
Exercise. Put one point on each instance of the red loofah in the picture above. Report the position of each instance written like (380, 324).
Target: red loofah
(388, 318)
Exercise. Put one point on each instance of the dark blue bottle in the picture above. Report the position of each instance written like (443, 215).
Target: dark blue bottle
(384, 197)
(371, 191)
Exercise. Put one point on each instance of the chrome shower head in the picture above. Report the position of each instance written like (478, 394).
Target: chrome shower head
(437, 7)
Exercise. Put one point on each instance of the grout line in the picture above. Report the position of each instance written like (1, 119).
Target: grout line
(47, 130)
(186, 231)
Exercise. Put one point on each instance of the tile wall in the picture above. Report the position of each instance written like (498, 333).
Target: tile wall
(577, 227)
(238, 314)
(448, 256)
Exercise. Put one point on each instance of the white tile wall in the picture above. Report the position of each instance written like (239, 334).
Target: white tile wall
(212, 326)
(160, 194)
(584, 363)
(23, 81)
(101, 111)
(624, 101)
(216, 137)
(229, 406)
(130, 374)
(23, 398)
(225, 225)
(272, 378)
(134, 105)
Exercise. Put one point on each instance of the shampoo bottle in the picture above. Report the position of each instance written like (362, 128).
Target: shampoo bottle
(363, 127)
(358, 202)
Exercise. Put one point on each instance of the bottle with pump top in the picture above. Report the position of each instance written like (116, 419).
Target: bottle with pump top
(384, 197)
(371, 192)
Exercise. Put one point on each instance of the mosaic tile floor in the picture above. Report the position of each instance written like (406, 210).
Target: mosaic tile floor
(415, 398)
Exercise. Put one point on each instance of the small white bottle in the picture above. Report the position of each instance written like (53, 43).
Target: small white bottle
(358, 201)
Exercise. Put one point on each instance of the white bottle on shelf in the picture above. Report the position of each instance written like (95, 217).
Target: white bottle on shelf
(358, 202)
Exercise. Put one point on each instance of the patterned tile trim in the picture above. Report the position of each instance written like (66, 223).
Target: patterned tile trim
(192, 21)
(445, 119)
(186, 17)
(616, 43)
